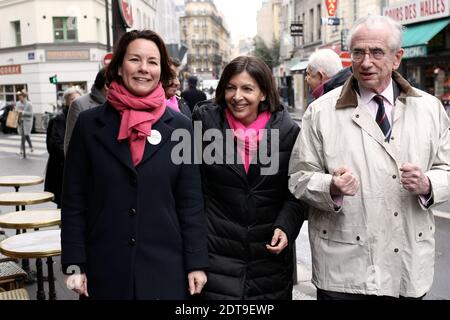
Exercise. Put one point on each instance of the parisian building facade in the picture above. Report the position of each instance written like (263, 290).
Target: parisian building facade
(44, 38)
(426, 61)
(204, 31)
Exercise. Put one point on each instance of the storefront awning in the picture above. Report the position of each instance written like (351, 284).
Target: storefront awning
(419, 35)
(299, 66)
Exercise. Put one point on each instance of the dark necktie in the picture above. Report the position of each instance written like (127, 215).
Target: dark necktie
(382, 118)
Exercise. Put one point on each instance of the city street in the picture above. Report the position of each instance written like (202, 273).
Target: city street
(35, 164)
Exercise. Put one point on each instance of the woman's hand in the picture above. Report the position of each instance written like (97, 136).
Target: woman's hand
(278, 243)
(197, 280)
(77, 283)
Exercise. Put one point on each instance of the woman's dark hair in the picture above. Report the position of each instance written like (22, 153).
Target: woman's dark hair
(112, 72)
(175, 63)
(259, 71)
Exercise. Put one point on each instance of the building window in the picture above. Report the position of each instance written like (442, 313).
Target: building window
(319, 26)
(17, 33)
(311, 25)
(139, 20)
(65, 28)
(8, 92)
(304, 30)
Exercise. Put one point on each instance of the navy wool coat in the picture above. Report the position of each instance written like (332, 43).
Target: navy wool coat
(135, 231)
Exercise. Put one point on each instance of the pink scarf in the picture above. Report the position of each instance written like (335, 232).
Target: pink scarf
(172, 103)
(248, 136)
(138, 115)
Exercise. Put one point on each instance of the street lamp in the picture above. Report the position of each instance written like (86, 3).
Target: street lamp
(108, 40)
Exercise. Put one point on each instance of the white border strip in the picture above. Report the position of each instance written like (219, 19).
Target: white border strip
(441, 214)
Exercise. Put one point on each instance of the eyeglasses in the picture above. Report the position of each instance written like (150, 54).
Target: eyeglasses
(358, 55)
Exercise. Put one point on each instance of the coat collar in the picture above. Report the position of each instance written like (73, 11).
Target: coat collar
(108, 131)
(348, 97)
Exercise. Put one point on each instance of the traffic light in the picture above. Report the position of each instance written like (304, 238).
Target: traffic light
(53, 79)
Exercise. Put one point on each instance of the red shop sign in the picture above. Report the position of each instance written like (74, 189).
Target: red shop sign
(331, 7)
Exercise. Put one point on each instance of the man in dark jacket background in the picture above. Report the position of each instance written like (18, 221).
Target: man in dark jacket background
(193, 95)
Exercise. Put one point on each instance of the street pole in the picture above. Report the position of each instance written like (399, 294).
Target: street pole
(118, 25)
(108, 40)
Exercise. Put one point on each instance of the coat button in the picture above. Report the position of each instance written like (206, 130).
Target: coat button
(324, 231)
(358, 238)
(420, 234)
(392, 138)
(394, 177)
(395, 214)
(132, 212)
(357, 116)
(395, 250)
(132, 241)
(133, 181)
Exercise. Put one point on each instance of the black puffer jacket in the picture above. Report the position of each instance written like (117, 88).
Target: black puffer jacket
(243, 211)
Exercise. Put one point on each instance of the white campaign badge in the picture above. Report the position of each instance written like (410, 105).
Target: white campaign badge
(154, 138)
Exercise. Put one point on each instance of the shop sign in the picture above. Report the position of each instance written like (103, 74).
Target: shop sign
(344, 37)
(415, 52)
(68, 55)
(12, 69)
(418, 10)
(297, 29)
(330, 21)
(331, 7)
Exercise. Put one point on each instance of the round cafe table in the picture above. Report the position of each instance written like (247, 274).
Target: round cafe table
(22, 199)
(31, 219)
(36, 245)
(20, 181)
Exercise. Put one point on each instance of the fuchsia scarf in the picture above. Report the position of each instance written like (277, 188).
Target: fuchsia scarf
(173, 103)
(138, 115)
(248, 136)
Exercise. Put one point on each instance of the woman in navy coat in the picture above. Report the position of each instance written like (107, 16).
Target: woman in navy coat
(133, 223)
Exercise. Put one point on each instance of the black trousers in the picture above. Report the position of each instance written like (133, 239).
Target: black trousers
(331, 295)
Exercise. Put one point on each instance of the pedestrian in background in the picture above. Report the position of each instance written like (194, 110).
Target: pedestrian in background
(372, 160)
(172, 88)
(55, 145)
(322, 65)
(25, 107)
(192, 95)
(253, 219)
(95, 98)
(133, 222)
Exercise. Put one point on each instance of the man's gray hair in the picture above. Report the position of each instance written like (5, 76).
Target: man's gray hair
(325, 60)
(72, 90)
(373, 21)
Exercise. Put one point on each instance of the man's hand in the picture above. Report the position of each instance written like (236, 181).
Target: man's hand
(278, 242)
(77, 283)
(197, 280)
(414, 180)
(343, 183)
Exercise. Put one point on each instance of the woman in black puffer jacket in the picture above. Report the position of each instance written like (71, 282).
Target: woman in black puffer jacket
(253, 220)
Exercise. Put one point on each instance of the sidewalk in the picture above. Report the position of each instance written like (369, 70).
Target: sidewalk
(304, 289)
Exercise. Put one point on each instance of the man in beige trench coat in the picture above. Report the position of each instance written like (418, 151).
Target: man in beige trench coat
(372, 160)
